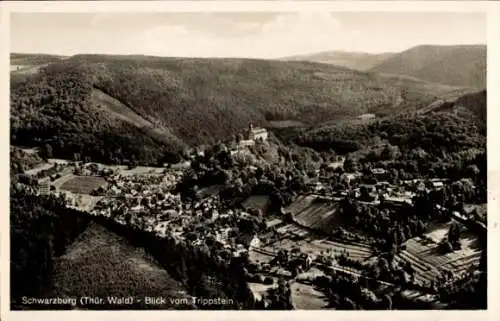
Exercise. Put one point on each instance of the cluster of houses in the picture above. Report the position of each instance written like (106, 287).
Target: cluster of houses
(148, 203)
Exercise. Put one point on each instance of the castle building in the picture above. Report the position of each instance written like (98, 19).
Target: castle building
(256, 133)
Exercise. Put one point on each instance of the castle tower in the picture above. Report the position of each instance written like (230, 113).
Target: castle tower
(250, 132)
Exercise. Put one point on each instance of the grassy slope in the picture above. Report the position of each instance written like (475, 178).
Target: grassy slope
(33, 59)
(452, 65)
(117, 109)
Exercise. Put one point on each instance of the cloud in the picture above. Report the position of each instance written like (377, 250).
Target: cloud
(287, 33)
(238, 34)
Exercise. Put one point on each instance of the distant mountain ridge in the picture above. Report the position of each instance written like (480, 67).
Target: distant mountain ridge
(455, 65)
(461, 65)
(352, 60)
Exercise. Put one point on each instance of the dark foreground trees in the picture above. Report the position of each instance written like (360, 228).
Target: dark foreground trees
(41, 228)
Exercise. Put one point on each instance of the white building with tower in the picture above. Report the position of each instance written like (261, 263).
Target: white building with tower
(256, 133)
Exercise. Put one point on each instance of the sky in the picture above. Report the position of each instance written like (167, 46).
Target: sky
(242, 34)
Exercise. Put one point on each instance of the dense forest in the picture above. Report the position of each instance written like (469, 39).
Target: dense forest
(21, 161)
(53, 110)
(443, 142)
(40, 230)
(195, 101)
(434, 132)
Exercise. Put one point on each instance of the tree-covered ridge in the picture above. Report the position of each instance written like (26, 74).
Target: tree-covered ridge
(204, 100)
(193, 101)
(178, 91)
(33, 59)
(436, 133)
(53, 110)
(459, 65)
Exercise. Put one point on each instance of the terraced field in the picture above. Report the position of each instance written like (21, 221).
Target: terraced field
(428, 262)
(315, 213)
(312, 244)
(359, 252)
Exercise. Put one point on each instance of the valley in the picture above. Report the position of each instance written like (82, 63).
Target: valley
(268, 184)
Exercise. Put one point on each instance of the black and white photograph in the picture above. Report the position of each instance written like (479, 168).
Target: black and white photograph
(255, 160)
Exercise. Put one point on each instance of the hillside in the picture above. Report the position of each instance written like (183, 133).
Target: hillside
(55, 110)
(147, 108)
(33, 59)
(444, 127)
(30, 63)
(115, 108)
(351, 60)
(463, 65)
(101, 263)
(471, 105)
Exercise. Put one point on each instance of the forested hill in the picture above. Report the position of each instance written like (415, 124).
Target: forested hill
(461, 65)
(22, 64)
(445, 128)
(112, 108)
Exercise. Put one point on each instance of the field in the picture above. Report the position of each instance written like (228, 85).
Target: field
(296, 237)
(286, 124)
(315, 213)
(258, 289)
(429, 262)
(86, 202)
(83, 184)
(260, 257)
(143, 170)
(100, 263)
(256, 202)
(306, 297)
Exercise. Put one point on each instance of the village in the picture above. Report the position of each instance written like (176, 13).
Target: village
(301, 243)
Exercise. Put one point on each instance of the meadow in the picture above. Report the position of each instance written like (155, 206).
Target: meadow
(306, 297)
(83, 184)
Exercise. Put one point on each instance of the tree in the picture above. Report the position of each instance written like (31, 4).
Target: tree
(386, 302)
(454, 232)
(47, 151)
(350, 165)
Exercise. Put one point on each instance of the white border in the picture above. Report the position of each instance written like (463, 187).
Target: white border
(491, 7)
